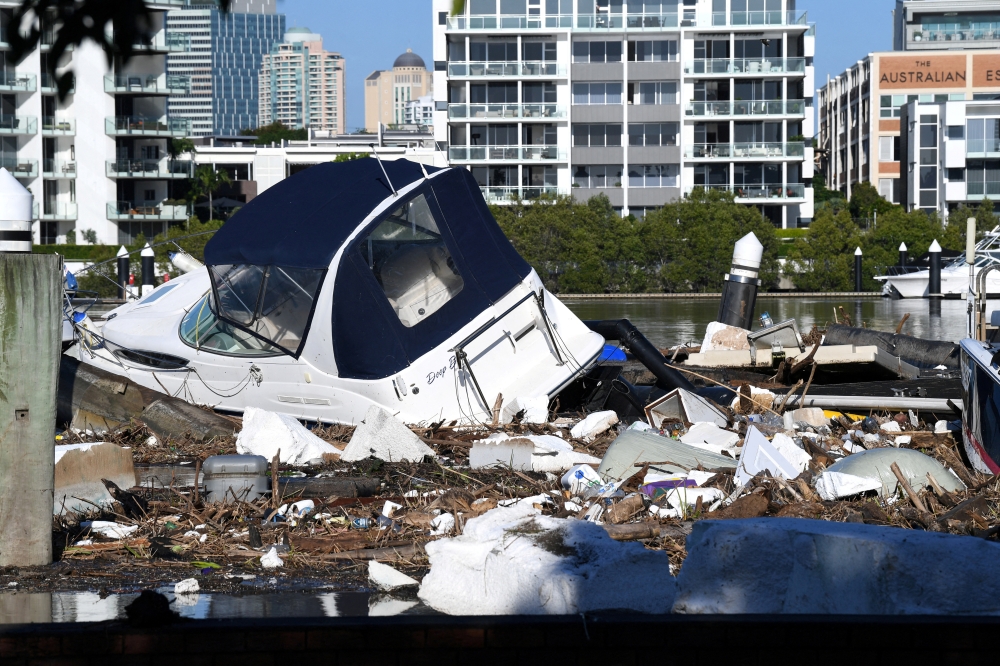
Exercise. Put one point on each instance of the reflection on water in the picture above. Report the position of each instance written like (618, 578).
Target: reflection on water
(45, 607)
(668, 321)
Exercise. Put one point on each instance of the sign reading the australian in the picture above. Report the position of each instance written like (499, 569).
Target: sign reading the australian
(924, 71)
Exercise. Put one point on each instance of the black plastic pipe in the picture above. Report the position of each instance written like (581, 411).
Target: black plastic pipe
(636, 343)
(916, 351)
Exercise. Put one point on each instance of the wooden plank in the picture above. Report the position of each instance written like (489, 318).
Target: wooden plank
(30, 342)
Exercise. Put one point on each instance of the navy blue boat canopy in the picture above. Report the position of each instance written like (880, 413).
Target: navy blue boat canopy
(302, 221)
(411, 278)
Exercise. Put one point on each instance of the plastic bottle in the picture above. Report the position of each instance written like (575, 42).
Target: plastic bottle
(765, 320)
(363, 523)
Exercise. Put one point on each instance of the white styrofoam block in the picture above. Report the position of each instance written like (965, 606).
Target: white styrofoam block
(594, 425)
(759, 455)
(109, 530)
(383, 436)
(890, 426)
(795, 565)
(722, 337)
(536, 453)
(511, 560)
(710, 437)
(536, 409)
(265, 432)
(387, 578)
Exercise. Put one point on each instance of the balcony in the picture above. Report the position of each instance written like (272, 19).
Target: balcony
(751, 151)
(506, 154)
(952, 35)
(55, 126)
(506, 111)
(505, 69)
(126, 84)
(564, 22)
(19, 167)
(160, 42)
(137, 125)
(511, 193)
(14, 82)
(982, 148)
(22, 125)
(789, 18)
(52, 168)
(745, 66)
(152, 169)
(128, 210)
(59, 210)
(760, 192)
(789, 107)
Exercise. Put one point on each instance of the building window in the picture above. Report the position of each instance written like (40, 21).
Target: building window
(983, 178)
(660, 50)
(597, 51)
(983, 135)
(653, 92)
(597, 93)
(653, 134)
(597, 176)
(955, 175)
(597, 136)
(885, 188)
(653, 175)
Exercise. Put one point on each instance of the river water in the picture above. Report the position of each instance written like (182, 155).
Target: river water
(669, 321)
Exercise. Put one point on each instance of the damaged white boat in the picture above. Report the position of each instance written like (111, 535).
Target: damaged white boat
(351, 285)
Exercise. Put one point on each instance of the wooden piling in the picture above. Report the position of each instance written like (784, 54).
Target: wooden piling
(30, 335)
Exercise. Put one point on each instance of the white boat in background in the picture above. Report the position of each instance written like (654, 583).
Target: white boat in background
(348, 286)
(912, 282)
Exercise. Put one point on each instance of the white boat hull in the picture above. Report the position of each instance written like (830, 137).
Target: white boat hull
(953, 283)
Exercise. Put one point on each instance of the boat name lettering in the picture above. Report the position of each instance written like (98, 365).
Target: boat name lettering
(431, 376)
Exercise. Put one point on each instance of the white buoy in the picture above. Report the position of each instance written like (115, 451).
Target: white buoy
(15, 214)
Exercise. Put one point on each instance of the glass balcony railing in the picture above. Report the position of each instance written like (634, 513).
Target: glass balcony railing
(983, 188)
(515, 68)
(966, 31)
(751, 66)
(174, 84)
(505, 153)
(56, 126)
(511, 193)
(138, 125)
(10, 124)
(761, 150)
(19, 167)
(565, 21)
(761, 191)
(982, 146)
(59, 210)
(486, 111)
(150, 169)
(15, 82)
(759, 18)
(147, 210)
(161, 42)
(53, 168)
(788, 107)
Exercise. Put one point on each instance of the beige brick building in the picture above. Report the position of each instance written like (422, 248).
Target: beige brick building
(301, 85)
(387, 92)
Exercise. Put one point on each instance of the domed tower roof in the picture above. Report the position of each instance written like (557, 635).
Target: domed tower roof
(409, 59)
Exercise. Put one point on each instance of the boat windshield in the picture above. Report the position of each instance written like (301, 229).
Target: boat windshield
(274, 303)
(203, 330)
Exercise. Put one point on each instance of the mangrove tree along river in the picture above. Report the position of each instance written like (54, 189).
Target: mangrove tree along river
(669, 321)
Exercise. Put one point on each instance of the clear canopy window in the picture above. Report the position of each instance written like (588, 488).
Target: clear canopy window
(274, 303)
(412, 263)
(202, 329)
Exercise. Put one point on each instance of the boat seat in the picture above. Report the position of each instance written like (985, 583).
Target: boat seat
(419, 280)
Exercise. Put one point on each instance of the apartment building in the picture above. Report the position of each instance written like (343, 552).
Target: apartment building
(419, 111)
(943, 51)
(389, 92)
(301, 85)
(222, 65)
(641, 100)
(98, 160)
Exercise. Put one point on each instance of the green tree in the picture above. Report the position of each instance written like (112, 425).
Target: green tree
(956, 229)
(206, 183)
(275, 133)
(866, 201)
(180, 146)
(824, 259)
